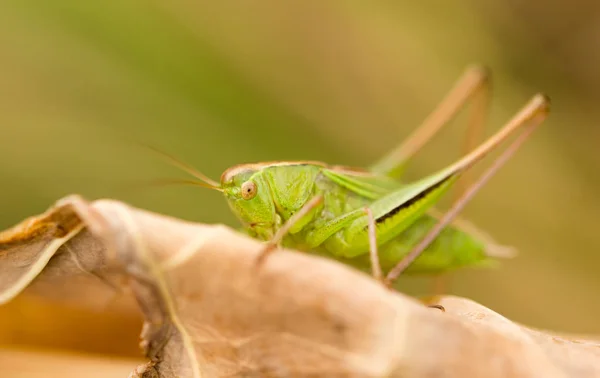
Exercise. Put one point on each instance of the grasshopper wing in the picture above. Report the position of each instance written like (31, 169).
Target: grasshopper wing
(365, 184)
(460, 244)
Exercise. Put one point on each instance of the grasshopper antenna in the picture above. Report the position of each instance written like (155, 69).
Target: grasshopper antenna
(168, 182)
(134, 187)
(211, 184)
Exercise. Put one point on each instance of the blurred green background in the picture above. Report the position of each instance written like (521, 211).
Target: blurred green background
(224, 82)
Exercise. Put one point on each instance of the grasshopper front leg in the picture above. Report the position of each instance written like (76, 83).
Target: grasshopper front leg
(325, 232)
(304, 211)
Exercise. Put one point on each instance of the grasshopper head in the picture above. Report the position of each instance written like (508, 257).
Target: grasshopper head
(250, 199)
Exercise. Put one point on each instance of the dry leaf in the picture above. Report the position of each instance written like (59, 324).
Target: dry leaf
(209, 312)
(70, 304)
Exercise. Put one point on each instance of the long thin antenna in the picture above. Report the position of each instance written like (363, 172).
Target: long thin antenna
(166, 182)
(185, 167)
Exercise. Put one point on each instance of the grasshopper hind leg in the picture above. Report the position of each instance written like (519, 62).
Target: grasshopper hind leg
(473, 86)
(476, 124)
(531, 116)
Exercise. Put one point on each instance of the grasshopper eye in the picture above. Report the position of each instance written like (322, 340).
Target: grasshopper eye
(249, 190)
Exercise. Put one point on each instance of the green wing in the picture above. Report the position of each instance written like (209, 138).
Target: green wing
(461, 244)
(365, 184)
(395, 212)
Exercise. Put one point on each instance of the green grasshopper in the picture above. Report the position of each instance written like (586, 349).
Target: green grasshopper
(367, 218)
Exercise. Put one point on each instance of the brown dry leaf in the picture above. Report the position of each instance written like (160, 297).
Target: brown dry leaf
(210, 313)
(74, 300)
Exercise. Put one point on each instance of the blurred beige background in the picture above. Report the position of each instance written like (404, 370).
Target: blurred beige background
(221, 83)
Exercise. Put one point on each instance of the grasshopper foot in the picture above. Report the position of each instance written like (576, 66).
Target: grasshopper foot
(386, 283)
(265, 252)
(439, 307)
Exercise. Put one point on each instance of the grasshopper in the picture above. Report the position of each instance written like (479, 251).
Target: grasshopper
(367, 217)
